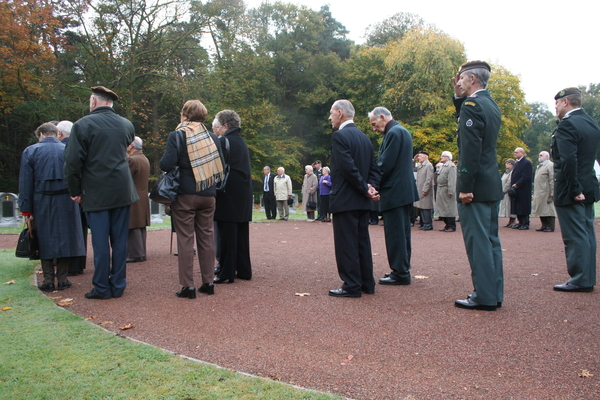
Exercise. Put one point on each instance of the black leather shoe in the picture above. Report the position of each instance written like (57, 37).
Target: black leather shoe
(548, 230)
(64, 285)
(222, 280)
(524, 227)
(136, 259)
(569, 287)
(471, 305)
(342, 293)
(516, 226)
(46, 287)
(94, 296)
(208, 288)
(217, 269)
(189, 292)
(244, 278)
(387, 274)
(499, 304)
(540, 229)
(391, 281)
(367, 291)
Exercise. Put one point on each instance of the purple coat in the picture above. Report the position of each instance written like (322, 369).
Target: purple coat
(325, 188)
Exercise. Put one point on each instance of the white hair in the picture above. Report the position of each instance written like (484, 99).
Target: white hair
(137, 143)
(379, 111)
(346, 107)
(447, 154)
(65, 127)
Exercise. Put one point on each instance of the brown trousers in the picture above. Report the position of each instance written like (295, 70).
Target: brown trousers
(191, 215)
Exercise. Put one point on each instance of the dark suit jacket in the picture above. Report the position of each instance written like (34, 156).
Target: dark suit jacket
(575, 142)
(235, 204)
(478, 130)
(353, 166)
(397, 186)
(271, 183)
(521, 175)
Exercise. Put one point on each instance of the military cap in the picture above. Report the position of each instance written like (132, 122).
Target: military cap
(102, 91)
(566, 92)
(474, 64)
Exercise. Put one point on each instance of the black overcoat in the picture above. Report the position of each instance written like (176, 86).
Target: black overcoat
(521, 175)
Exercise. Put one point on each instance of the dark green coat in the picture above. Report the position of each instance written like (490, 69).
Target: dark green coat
(575, 142)
(397, 186)
(478, 130)
(96, 164)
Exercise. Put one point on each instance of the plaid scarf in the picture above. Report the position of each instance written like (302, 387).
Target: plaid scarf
(203, 153)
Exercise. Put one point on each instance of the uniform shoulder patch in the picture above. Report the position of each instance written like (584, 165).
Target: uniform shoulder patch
(470, 103)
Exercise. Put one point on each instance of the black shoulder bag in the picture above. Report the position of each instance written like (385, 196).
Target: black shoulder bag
(165, 190)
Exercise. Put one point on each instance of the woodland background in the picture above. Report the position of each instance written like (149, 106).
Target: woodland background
(280, 66)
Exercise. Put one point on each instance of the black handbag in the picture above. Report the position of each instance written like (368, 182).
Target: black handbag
(290, 201)
(165, 190)
(311, 204)
(222, 184)
(27, 246)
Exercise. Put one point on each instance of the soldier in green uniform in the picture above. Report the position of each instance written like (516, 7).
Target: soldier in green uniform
(575, 143)
(479, 184)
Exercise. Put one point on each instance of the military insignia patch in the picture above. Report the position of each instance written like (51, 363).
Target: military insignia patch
(469, 123)
(470, 103)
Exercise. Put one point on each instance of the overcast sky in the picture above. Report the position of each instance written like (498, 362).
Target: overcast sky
(550, 45)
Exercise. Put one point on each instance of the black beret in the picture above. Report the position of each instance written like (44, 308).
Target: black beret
(566, 92)
(102, 91)
(473, 65)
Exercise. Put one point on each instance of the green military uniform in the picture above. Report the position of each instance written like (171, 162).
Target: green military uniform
(575, 142)
(478, 130)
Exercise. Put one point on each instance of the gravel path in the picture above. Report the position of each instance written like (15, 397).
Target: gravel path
(403, 342)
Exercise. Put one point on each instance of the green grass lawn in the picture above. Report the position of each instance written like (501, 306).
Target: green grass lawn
(47, 352)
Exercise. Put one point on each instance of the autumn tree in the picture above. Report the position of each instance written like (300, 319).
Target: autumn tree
(392, 29)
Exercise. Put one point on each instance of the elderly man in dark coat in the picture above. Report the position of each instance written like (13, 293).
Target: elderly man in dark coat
(43, 194)
(355, 177)
(98, 177)
(139, 214)
(398, 191)
(521, 181)
(234, 205)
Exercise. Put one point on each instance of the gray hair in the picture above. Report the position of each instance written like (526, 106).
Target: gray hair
(308, 167)
(137, 143)
(447, 154)
(481, 74)
(267, 168)
(327, 169)
(64, 127)
(346, 107)
(282, 169)
(379, 111)
(229, 118)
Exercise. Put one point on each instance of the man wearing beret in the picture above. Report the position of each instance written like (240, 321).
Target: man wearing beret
(479, 184)
(575, 143)
(98, 177)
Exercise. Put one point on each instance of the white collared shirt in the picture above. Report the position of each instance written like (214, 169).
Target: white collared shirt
(343, 124)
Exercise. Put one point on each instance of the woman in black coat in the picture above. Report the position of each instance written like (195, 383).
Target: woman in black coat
(234, 204)
(193, 211)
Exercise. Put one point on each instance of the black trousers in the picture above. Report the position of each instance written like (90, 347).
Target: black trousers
(353, 250)
(234, 252)
(270, 205)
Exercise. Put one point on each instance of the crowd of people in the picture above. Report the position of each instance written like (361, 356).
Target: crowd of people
(93, 173)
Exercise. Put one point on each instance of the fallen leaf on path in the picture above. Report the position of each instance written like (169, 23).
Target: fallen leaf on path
(124, 327)
(6, 308)
(585, 374)
(105, 323)
(347, 360)
(302, 294)
(10, 282)
(39, 272)
(421, 277)
(65, 302)
(92, 317)
(456, 273)
(534, 274)
(55, 297)
(283, 241)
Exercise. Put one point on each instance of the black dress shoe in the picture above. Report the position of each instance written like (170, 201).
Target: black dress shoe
(367, 291)
(208, 288)
(499, 304)
(189, 292)
(569, 287)
(136, 259)
(217, 269)
(244, 278)
(516, 226)
(391, 281)
(540, 229)
(46, 287)
(222, 280)
(524, 227)
(548, 230)
(387, 274)
(64, 285)
(471, 305)
(342, 293)
(94, 296)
